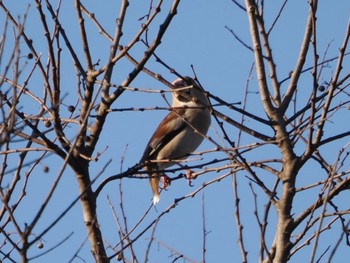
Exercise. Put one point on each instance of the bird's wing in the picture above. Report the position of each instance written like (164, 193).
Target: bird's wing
(169, 127)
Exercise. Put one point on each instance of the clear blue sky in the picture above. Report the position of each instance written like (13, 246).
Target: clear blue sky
(197, 37)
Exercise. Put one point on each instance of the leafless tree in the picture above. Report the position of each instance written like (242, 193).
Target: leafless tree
(298, 128)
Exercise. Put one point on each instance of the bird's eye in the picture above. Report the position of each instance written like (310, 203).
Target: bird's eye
(187, 92)
(184, 95)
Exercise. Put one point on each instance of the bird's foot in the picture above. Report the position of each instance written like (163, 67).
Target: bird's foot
(166, 181)
(189, 177)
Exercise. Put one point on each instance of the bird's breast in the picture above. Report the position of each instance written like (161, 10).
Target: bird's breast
(186, 141)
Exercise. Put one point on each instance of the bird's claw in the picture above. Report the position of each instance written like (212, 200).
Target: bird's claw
(166, 181)
(189, 177)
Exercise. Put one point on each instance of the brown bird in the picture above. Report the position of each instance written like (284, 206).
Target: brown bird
(179, 133)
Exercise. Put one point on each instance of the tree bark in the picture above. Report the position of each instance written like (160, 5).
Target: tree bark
(88, 204)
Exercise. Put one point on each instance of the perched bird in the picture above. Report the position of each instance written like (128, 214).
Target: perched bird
(179, 133)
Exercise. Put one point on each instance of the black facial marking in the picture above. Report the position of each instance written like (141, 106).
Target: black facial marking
(184, 95)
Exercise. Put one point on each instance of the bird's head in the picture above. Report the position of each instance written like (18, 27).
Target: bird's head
(186, 92)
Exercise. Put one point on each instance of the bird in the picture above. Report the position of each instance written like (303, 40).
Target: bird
(179, 133)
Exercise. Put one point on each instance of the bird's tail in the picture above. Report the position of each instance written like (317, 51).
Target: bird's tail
(154, 182)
